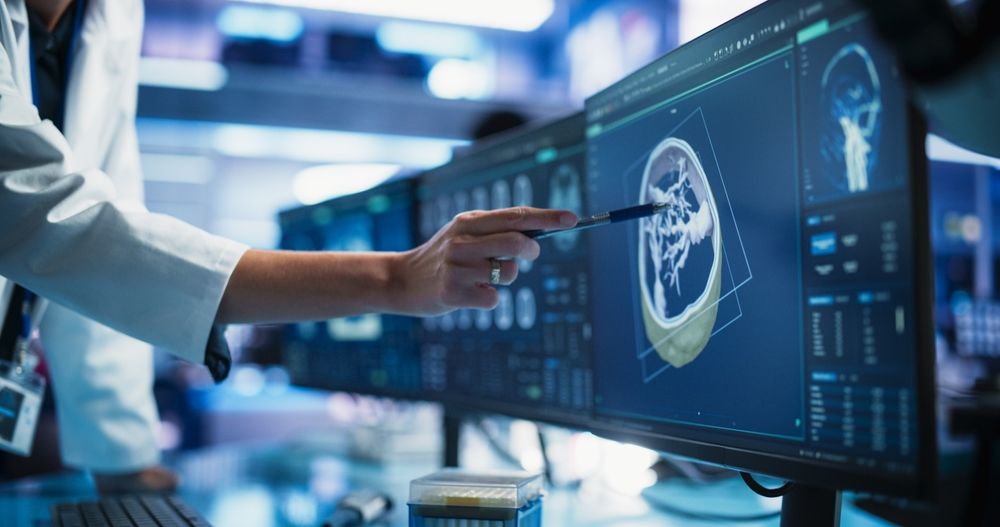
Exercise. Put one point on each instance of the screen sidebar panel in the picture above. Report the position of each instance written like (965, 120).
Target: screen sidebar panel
(368, 354)
(776, 308)
(529, 357)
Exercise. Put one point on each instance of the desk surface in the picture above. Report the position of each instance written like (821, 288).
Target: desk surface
(292, 486)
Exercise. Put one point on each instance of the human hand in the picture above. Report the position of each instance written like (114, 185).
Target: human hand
(452, 269)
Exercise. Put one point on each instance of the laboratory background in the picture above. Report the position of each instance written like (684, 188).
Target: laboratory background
(259, 119)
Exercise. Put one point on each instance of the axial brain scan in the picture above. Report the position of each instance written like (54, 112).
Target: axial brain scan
(565, 193)
(852, 94)
(680, 254)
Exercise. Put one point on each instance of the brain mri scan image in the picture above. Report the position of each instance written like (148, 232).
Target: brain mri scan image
(565, 193)
(680, 254)
(522, 196)
(464, 319)
(480, 198)
(525, 308)
(484, 319)
(852, 94)
(503, 315)
(501, 195)
(447, 322)
(522, 191)
(461, 202)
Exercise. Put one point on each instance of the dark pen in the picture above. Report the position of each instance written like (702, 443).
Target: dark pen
(605, 218)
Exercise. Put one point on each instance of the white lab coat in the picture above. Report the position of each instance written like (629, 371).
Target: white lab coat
(73, 229)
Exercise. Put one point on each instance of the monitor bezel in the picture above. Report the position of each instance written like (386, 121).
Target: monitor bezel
(923, 484)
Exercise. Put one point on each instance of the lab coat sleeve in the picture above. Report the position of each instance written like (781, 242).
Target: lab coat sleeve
(65, 234)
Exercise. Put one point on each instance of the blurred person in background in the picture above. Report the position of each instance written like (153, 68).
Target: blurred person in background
(497, 122)
(73, 230)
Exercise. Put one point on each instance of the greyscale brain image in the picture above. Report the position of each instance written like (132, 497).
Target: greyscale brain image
(852, 94)
(680, 253)
(565, 192)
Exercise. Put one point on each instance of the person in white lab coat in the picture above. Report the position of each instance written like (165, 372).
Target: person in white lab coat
(102, 379)
(73, 230)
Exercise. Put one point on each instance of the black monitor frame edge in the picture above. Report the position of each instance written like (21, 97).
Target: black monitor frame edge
(605, 92)
(924, 485)
(500, 139)
(406, 183)
(924, 300)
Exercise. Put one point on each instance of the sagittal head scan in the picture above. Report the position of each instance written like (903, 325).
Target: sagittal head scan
(852, 94)
(565, 193)
(679, 253)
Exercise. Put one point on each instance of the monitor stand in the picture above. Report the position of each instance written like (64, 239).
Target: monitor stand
(807, 505)
(452, 428)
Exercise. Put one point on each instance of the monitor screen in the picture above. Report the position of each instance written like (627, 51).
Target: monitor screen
(371, 354)
(965, 218)
(529, 357)
(779, 308)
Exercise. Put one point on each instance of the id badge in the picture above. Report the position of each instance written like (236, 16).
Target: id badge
(21, 393)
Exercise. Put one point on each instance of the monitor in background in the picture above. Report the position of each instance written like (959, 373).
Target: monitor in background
(965, 218)
(530, 356)
(370, 354)
(777, 318)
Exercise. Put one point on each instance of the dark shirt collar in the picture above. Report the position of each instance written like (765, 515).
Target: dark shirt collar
(49, 62)
(60, 35)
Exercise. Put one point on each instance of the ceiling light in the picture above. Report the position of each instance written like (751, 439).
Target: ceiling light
(320, 183)
(304, 145)
(513, 15)
(428, 39)
(460, 79)
(279, 25)
(182, 74)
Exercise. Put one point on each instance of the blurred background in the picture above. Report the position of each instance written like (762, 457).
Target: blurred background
(247, 108)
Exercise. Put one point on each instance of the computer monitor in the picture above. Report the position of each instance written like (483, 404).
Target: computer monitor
(530, 356)
(777, 318)
(369, 354)
(965, 223)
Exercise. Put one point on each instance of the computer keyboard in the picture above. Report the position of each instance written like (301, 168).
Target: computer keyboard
(128, 511)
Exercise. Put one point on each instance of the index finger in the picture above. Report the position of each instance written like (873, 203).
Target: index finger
(513, 219)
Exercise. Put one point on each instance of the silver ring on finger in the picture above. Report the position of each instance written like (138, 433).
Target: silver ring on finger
(494, 271)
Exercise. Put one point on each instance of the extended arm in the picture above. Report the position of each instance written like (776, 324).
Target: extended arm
(448, 272)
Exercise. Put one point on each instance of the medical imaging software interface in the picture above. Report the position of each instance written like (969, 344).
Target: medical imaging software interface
(532, 351)
(367, 353)
(771, 306)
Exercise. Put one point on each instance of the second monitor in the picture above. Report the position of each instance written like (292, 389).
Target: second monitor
(777, 318)
(370, 354)
(530, 356)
